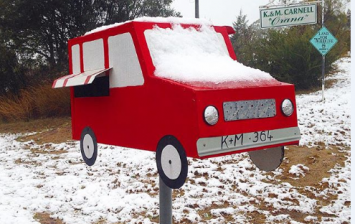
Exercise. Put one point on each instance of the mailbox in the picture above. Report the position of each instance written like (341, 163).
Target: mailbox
(174, 86)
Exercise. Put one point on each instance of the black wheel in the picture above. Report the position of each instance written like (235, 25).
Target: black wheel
(267, 159)
(171, 162)
(88, 146)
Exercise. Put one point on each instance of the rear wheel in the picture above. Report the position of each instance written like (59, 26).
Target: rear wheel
(171, 162)
(88, 146)
(267, 159)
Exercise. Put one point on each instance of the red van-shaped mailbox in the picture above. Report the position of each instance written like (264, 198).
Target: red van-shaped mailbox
(174, 86)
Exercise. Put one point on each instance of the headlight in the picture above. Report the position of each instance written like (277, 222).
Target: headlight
(287, 107)
(211, 115)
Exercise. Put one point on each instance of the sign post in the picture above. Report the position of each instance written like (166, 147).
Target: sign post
(323, 41)
(197, 9)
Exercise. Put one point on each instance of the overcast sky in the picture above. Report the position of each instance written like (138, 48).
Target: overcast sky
(220, 12)
(224, 12)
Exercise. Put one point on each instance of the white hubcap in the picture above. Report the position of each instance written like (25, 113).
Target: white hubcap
(171, 162)
(88, 145)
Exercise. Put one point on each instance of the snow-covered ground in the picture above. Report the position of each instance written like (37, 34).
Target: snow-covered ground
(327, 122)
(122, 187)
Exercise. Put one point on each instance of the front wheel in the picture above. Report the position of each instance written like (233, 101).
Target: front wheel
(88, 146)
(171, 162)
(267, 159)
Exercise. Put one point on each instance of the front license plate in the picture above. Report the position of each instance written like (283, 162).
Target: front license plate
(232, 141)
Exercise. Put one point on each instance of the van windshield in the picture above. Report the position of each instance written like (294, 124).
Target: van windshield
(196, 55)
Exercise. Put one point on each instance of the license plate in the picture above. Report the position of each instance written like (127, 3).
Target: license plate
(232, 141)
(259, 139)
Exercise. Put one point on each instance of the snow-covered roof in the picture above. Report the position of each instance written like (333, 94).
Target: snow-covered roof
(192, 55)
(189, 55)
(172, 20)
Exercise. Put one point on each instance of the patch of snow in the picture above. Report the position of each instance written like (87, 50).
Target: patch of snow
(298, 170)
(311, 218)
(278, 218)
(327, 122)
(339, 184)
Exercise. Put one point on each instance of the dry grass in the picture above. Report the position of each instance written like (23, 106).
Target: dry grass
(59, 134)
(35, 102)
(318, 159)
(37, 125)
(44, 218)
(48, 130)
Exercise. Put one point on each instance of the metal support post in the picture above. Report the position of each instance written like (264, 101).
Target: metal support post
(323, 77)
(322, 13)
(165, 203)
(197, 9)
(323, 57)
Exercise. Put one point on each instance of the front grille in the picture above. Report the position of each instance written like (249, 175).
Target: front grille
(249, 109)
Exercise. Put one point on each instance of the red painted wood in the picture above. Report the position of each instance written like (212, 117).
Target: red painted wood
(139, 116)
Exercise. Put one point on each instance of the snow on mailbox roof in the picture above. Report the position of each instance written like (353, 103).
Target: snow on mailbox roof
(190, 55)
(172, 20)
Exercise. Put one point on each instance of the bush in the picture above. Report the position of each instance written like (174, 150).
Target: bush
(289, 57)
(35, 102)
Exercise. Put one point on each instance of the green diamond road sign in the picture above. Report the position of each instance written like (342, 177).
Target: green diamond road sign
(323, 41)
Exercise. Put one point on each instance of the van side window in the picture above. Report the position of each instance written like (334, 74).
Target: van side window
(75, 58)
(126, 70)
(93, 57)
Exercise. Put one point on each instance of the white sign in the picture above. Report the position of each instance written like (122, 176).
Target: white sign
(288, 16)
